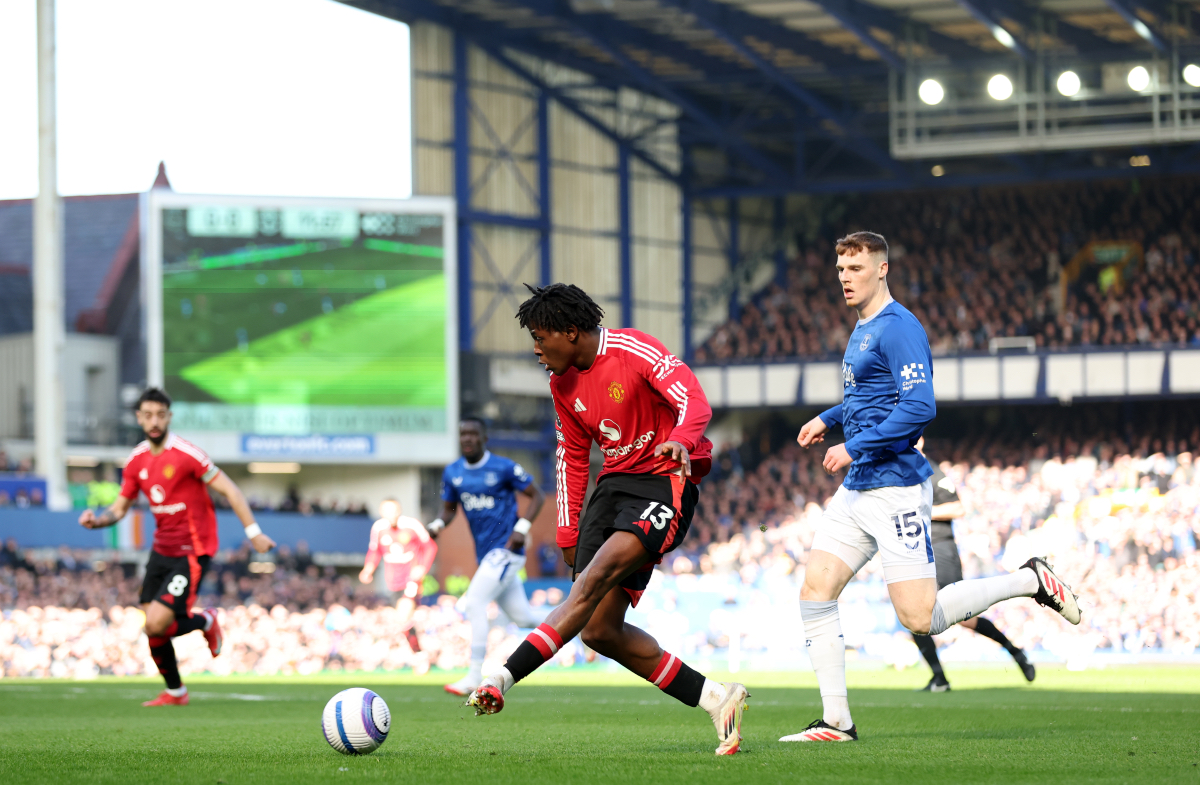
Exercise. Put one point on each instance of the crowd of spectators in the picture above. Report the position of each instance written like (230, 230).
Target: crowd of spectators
(974, 265)
(1116, 511)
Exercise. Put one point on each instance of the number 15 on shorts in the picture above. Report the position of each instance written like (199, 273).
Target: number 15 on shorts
(909, 529)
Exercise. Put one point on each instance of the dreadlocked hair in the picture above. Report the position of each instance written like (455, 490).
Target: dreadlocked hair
(558, 306)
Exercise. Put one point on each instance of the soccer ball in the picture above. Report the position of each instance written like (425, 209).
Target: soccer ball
(356, 721)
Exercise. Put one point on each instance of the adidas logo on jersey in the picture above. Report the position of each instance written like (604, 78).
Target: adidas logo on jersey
(579, 407)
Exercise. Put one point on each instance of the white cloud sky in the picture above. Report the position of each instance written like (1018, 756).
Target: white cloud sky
(291, 97)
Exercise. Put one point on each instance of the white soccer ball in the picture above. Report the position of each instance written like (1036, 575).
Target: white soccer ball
(356, 721)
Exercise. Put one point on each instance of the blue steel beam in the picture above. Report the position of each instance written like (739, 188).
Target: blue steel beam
(707, 14)
(598, 31)
(574, 107)
(862, 16)
(462, 188)
(543, 153)
(846, 13)
(624, 236)
(987, 16)
(1141, 28)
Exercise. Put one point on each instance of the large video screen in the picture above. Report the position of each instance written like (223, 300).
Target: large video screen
(305, 330)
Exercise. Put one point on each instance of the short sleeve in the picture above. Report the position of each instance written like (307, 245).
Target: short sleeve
(519, 479)
(449, 492)
(129, 486)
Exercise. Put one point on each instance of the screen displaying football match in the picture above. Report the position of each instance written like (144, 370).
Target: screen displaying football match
(307, 331)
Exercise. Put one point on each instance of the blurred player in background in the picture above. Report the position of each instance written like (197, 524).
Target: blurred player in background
(487, 486)
(175, 475)
(886, 500)
(624, 391)
(946, 507)
(407, 552)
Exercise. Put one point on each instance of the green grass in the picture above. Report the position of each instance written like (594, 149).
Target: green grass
(1137, 725)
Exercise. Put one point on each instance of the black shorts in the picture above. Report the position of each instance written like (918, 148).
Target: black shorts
(658, 508)
(173, 581)
(947, 562)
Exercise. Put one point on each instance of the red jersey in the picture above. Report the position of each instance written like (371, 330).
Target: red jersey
(406, 549)
(635, 396)
(175, 482)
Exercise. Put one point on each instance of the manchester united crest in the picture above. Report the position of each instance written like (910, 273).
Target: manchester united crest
(616, 392)
(168, 471)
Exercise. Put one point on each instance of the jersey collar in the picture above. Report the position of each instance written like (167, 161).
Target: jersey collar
(481, 462)
(883, 308)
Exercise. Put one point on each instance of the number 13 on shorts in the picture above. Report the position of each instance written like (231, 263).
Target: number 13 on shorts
(909, 529)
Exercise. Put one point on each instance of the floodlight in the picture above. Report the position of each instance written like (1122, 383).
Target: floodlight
(1068, 83)
(1191, 74)
(1139, 78)
(1000, 87)
(931, 92)
(938, 170)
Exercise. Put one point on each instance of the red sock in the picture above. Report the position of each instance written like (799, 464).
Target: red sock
(676, 679)
(542, 644)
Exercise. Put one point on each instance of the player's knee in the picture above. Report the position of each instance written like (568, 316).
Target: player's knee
(918, 622)
(810, 593)
(158, 625)
(599, 637)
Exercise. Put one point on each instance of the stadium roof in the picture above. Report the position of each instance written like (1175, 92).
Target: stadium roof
(755, 80)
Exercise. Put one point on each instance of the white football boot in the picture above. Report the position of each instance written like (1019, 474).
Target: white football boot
(728, 718)
(464, 686)
(820, 730)
(1053, 592)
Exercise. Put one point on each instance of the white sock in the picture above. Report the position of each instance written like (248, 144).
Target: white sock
(177, 693)
(208, 621)
(711, 696)
(965, 599)
(503, 679)
(475, 674)
(827, 650)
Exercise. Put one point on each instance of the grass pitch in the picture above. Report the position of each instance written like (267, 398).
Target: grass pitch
(1118, 725)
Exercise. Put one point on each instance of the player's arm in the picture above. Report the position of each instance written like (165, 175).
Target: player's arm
(88, 519)
(523, 484)
(449, 506)
(814, 430)
(905, 347)
(371, 562)
(680, 388)
(221, 483)
(948, 511)
(572, 458)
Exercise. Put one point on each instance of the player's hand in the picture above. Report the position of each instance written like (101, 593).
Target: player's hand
(366, 575)
(836, 459)
(812, 433)
(87, 519)
(516, 542)
(262, 543)
(569, 556)
(679, 454)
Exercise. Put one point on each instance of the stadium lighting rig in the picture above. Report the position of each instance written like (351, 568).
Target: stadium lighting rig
(931, 92)
(1068, 83)
(1000, 87)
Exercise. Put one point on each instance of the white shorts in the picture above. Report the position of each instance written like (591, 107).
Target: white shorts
(894, 520)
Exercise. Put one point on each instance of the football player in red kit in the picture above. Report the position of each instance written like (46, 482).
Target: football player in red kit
(407, 551)
(175, 475)
(624, 391)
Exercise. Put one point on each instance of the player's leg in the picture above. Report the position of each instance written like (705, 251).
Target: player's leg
(484, 588)
(839, 550)
(160, 618)
(621, 554)
(513, 600)
(989, 630)
(608, 633)
(901, 523)
(406, 606)
(949, 570)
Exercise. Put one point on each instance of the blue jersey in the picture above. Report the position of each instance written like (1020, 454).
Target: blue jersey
(887, 400)
(487, 493)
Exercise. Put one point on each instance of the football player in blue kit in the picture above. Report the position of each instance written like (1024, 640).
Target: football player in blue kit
(885, 502)
(486, 486)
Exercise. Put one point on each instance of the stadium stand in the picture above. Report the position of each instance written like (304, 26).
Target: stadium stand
(974, 265)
